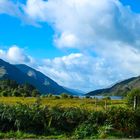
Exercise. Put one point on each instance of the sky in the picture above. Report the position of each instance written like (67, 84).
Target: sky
(81, 44)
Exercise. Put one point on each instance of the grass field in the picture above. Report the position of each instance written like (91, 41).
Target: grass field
(66, 118)
(90, 104)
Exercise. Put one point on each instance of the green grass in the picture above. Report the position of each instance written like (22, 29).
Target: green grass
(23, 135)
(89, 104)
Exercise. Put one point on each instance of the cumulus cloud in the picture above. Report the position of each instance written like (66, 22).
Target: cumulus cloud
(86, 23)
(15, 55)
(88, 72)
(15, 9)
(10, 8)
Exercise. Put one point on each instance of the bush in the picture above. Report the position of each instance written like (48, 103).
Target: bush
(123, 120)
(131, 95)
(86, 130)
(66, 120)
(107, 98)
(104, 131)
(88, 97)
(64, 95)
(41, 120)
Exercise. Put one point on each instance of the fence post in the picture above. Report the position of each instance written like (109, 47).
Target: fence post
(96, 103)
(105, 104)
(135, 102)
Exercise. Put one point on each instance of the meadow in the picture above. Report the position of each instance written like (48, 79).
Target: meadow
(82, 103)
(63, 117)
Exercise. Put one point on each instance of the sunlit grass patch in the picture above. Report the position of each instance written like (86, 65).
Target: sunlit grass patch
(88, 104)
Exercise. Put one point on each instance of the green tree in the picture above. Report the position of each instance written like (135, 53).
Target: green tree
(35, 93)
(64, 95)
(135, 93)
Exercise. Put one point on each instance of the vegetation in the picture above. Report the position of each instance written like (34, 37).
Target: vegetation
(12, 88)
(32, 121)
(86, 104)
(133, 95)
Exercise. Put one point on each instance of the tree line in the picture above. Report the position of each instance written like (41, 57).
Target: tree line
(12, 88)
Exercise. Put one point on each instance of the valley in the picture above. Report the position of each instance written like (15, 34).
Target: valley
(28, 98)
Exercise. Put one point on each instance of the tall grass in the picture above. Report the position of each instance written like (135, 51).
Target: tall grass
(74, 122)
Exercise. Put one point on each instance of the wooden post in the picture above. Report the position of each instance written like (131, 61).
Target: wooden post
(105, 104)
(96, 103)
(135, 102)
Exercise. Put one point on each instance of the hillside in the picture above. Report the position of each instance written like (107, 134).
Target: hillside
(119, 89)
(75, 91)
(23, 74)
(44, 82)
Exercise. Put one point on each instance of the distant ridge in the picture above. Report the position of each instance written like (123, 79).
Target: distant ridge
(119, 89)
(75, 91)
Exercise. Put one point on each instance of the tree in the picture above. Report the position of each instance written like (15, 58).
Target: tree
(64, 95)
(16, 93)
(12, 88)
(4, 93)
(35, 93)
(135, 93)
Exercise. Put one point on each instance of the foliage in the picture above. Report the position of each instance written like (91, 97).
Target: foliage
(104, 131)
(131, 95)
(64, 95)
(34, 120)
(82, 103)
(107, 98)
(12, 88)
(123, 120)
(86, 130)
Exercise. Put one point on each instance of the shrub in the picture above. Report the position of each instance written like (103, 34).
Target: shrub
(122, 119)
(131, 95)
(64, 95)
(86, 130)
(37, 119)
(107, 98)
(104, 131)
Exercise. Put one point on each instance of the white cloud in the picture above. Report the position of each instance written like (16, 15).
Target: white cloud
(67, 40)
(15, 9)
(86, 72)
(86, 23)
(15, 55)
(10, 8)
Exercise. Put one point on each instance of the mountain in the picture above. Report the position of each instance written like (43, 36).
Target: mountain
(46, 84)
(24, 74)
(8, 71)
(75, 91)
(119, 89)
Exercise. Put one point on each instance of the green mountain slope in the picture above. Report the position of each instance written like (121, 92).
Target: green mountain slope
(119, 89)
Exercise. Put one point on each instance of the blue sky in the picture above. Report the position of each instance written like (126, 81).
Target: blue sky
(134, 4)
(78, 43)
